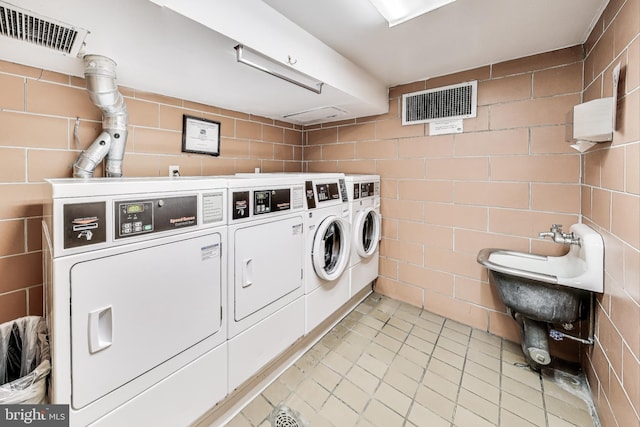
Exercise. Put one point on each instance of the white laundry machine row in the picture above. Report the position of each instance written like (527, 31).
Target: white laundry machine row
(135, 289)
(366, 229)
(265, 264)
(327, 247)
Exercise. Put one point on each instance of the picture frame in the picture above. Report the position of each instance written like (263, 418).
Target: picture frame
(200, 136)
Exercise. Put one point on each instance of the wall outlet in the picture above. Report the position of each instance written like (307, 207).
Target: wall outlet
(174, 170)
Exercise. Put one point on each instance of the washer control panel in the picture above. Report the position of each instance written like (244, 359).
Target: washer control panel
(332, 191)
(327, 191)
(365, 189)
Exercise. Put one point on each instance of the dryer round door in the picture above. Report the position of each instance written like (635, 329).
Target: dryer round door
(331, 248)
(366, 232)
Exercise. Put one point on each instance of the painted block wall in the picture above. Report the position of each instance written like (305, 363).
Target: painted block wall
(38, 114)
(508, 176)
(611, 204)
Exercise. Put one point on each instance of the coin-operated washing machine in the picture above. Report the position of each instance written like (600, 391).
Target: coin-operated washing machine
(328, 247)
(135, 298)
(266, 289)
(366, 226)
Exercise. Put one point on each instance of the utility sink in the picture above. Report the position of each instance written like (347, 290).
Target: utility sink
(581, 268)
(540, 291)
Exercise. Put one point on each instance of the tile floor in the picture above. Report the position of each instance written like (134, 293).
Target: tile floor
(391, 364)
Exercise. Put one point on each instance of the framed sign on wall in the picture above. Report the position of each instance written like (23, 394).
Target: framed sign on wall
(200, 136)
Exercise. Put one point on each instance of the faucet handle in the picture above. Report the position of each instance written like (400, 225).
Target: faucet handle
(556, 228)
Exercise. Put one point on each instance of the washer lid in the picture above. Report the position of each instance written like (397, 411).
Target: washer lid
(331, 248)
(366, 232)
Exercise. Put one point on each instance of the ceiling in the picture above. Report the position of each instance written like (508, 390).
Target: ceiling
(185, 48)
(460, 36)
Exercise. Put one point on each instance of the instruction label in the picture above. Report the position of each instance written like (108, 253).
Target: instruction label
(446, 127)
(212, 208)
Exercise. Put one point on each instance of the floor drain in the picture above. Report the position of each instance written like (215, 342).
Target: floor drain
(283, 416)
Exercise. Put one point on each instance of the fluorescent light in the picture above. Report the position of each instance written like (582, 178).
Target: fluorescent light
(399, 11)
(264, 63)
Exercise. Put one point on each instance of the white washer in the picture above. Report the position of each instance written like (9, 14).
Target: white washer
(366, 229)
(266, 288)
(328, 242)
(366, 226)
(135, 289)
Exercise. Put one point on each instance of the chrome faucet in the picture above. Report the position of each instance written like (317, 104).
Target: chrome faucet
(556, 234)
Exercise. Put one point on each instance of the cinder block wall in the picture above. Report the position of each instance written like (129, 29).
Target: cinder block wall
(509, 175)
(38, 114)
(611, 204)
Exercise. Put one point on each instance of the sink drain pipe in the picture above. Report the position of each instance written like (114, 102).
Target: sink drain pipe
(535, 334)
(100, 75)
(535, 343)
(559, 335)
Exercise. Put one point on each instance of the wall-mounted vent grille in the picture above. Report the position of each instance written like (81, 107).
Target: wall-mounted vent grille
(20, 24)
(443, 103)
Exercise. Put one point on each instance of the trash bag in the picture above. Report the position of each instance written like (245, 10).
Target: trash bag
(24, 361)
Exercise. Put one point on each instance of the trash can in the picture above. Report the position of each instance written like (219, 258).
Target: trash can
(24, 361)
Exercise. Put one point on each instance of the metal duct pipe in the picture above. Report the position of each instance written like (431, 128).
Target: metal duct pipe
(100, 74)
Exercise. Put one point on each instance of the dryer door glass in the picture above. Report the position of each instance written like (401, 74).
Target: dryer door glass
(366, 231)
(132, 311)
(330, 248)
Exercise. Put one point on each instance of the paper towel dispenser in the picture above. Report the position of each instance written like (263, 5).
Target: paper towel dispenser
(595, 121)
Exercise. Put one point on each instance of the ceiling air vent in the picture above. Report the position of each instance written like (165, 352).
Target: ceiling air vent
(23, 25)
(323, 114)
(443, 103)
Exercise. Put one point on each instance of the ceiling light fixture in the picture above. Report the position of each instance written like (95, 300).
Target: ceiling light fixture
(261, 62)
(399, 11)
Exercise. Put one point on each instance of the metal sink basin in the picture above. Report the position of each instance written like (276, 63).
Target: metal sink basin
(581, 268)
(541, 291)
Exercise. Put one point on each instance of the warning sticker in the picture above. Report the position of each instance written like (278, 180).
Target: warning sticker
(210, 252)
(296, 229)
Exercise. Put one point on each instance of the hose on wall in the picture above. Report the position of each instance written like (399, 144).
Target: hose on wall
(100, 75)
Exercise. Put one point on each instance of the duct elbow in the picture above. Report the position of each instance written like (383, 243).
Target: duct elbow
(115, 156)
(88, 160)
(101, 84)
(82, 169)
(114, 168)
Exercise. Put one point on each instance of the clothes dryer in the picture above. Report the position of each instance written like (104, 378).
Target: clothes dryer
(135, 292)
(266, 261)
(328, 242)
(366, 226)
